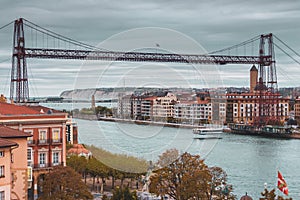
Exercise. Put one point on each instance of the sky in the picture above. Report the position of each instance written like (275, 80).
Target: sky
(191, 26)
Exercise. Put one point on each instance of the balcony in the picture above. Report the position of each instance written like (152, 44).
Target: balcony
(43, 142)
(30, 142)
(56, 141)
(46, 165)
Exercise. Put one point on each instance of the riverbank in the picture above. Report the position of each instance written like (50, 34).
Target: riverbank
(166, 124)
(139, 122)
(150, 123)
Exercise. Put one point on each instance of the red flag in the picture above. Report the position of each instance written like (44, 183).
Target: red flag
(281, 184)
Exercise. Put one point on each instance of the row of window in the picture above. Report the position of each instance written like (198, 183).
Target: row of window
(43, 134)
(42, 157)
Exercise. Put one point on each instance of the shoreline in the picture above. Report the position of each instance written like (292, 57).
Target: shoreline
(151, 123)
(139, 122)
(171, 125)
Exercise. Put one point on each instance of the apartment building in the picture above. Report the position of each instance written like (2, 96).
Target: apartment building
(163, 107)
(297, 109)
(14, 172)
(124, 106)
(244, 108)
(47, 145)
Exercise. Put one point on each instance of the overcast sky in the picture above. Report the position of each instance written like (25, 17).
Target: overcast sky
(191, 26)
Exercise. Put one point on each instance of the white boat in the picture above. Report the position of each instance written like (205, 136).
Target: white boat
(208, 133)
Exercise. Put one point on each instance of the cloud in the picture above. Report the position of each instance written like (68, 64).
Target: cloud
(213, 24)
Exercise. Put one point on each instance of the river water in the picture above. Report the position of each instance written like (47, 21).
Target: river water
(249, 161)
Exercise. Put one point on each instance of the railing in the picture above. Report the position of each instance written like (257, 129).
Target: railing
(45, 141)
(56, 141)
(30, 142)
(46, 165)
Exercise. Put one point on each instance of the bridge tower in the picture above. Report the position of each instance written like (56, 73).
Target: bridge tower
(267, 88)
(19, 79)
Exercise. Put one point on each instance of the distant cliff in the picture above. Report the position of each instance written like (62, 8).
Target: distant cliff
(100, 93)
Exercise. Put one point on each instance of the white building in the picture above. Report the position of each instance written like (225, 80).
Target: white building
(163, 107)
(193, 112)
(124, 107)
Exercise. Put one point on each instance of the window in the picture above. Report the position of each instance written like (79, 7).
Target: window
(1, 154)
(55, 158)
(42, 159)
(2, 195)
(2, 171)
(56, 135)
(42, 136)
(29, 154)
(29, 173)
(30, 140)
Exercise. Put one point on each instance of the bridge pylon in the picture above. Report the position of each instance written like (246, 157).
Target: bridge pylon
(268, 102)
(19, 78)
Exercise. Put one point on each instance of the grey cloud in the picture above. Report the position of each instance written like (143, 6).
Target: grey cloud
(214, 24)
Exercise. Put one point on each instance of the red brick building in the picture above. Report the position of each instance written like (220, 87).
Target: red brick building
(47, 145)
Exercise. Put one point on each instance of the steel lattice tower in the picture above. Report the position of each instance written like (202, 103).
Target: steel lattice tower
(268, 103)
(19, 79)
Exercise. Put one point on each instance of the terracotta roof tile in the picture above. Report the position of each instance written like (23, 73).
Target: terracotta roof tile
(13, 109)
(6, 143)
(78, 149)
(43, 109)
(6, 132)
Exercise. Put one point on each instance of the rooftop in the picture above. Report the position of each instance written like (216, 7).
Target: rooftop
(6, 132)
(78, 149)
(13, 109)
(6, 143)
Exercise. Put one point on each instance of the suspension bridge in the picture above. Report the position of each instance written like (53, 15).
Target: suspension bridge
(46, 44)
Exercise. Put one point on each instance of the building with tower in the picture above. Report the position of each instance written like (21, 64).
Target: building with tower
(257, 105)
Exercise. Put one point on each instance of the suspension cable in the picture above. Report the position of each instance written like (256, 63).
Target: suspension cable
(237, 45)
(286, 53)
(287, 46)
(6, 25)
(59, 36)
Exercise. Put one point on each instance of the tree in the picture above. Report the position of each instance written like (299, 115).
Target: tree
(79, 164)
(219, 189)
(270, 195)
(96, 169)
(65, 184)
(186, 178)
(123, 194)
(167, 157)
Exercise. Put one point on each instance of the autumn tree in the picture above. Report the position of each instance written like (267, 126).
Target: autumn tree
(65, 184)
(167, 157)
(185, 178)
(219, 188)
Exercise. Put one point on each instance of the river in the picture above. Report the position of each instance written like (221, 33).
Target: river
(249, 161)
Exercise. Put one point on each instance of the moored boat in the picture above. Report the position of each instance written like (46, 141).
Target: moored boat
(265, 131)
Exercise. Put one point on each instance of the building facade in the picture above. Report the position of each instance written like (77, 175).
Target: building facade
(47, 145)
(163, 107)
(6, 147)
(14, 173)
